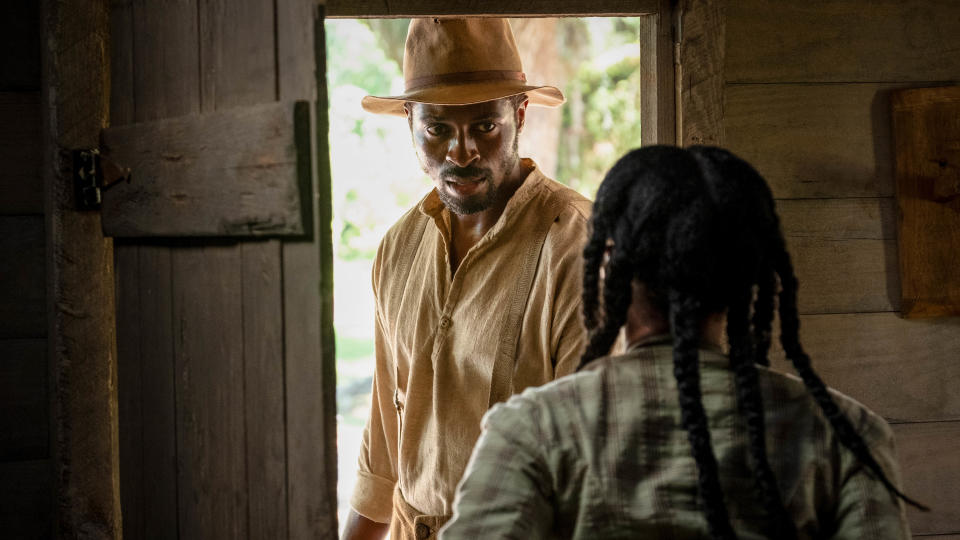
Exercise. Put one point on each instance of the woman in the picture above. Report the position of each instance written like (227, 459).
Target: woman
(674, 439)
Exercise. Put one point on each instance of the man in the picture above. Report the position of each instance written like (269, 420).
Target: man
(477, 287)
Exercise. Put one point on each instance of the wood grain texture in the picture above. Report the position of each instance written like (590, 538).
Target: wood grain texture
(926, 127)
(26, 505)
(307, 298)
(22, 272)
(24, 408)
(540, 8)
(20, 153)
(703, 34)
(657, 91)
(814, 141)
(844, 253)
(928, 462)
(904, 370)
(208, 352)
(158, 392)
(129, 387)
(840, 41)
(263, 358)
(166, 59)
(189, 179)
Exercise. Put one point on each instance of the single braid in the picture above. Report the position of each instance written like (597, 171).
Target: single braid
(686, 369)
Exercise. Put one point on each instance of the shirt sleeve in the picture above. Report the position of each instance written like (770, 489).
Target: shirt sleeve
(376, 476)
(867, 509)
(506, 489)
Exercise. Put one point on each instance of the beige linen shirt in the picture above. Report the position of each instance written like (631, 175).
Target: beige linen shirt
(448, 347)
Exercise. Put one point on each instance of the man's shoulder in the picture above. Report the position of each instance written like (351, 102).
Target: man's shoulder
(568, 201)
(410, 223)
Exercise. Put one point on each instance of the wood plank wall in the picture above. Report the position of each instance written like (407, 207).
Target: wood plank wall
(26, 480)
(806, 100)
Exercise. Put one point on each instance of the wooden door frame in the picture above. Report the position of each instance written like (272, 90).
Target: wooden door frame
(82, 359)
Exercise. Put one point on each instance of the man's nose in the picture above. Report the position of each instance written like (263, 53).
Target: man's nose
(462, 150)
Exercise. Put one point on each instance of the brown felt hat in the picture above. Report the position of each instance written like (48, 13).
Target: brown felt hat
(460, 62)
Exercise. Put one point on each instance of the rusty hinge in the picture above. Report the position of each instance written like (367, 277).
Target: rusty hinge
(93, 173)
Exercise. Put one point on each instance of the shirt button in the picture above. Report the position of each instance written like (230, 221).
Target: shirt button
(423, 531)
(445, 322)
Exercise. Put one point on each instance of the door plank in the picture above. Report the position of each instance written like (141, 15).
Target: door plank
(165, 60)
(928, 462)
(308, 296)
(130, 365)
(896, 367)
(207, 322)
(264, 388)
(158, 395)
(841, 41)
(20, 146)
(26, 504)
(190, 179)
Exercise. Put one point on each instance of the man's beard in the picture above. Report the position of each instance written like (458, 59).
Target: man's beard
(476, 203)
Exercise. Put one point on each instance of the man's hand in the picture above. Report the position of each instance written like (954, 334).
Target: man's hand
(361, 528)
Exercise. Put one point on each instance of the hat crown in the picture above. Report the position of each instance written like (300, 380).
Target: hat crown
(439, 46)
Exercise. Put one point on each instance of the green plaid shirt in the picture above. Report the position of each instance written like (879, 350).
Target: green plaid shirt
(602, 454)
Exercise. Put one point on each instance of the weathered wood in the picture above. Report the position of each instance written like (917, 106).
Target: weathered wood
(703, 35)
(22, 273)
(129, 387)
(904, 370)
(926, 127)
(264, 388)
(26, 509)
(80, 314)
(539, 8)
(158, 392)
(24, 430)
(189, 179)
(928, 461)
(20, 146)
(840, 41)
(166, 44)
(814, 141)
(207, 322)
(844, 253)
(308, 295)
(657, 92)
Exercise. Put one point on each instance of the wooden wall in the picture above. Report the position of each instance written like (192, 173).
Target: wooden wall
(806, 100)
(26, 482)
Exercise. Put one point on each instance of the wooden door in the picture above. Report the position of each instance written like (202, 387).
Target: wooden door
(223, 265)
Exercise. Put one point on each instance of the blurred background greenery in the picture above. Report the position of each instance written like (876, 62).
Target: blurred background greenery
(376, 177)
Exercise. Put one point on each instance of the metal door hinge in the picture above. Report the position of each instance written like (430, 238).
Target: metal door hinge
(93, 173)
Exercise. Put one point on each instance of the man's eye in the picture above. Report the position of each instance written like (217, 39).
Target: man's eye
(436, 130)
(486, 127)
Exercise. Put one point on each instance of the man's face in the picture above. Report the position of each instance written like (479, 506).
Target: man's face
(468, 150)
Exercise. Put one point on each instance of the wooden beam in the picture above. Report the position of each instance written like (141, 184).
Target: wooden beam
(80, 284)
(702, 38)
(494, 8)
(189, 180)
(894, 366)
(842, 41)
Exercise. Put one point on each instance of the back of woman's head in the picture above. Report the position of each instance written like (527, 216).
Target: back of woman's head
(698, 228)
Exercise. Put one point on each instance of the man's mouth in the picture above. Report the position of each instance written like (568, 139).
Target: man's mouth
(465, 185)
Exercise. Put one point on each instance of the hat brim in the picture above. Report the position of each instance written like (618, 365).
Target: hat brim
(463, 94)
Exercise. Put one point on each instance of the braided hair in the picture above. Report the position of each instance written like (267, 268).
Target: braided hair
(698, 228)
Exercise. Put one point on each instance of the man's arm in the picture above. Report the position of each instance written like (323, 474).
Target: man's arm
(358, 527)
(568, 336)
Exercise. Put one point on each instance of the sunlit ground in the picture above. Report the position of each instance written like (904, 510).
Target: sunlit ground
(376, 177)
